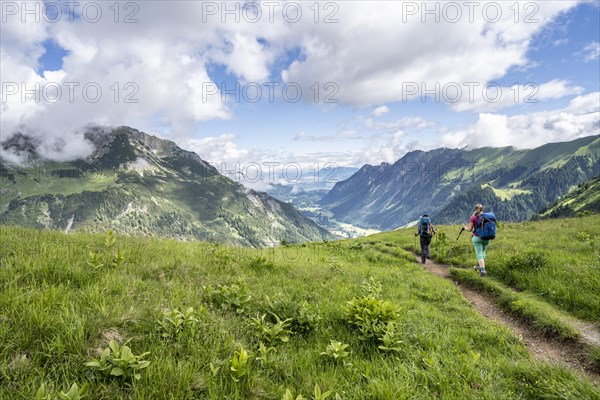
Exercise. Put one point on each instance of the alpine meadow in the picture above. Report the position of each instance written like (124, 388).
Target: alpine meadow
(282, 200)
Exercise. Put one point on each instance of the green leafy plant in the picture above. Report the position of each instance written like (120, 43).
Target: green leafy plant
(109, 239)
(336, 351)
(95, 260)
(303, 317)
(318, 395)
(268, 332)
(240, 364)
(112, 257)
(370, 315)
(74, 393)
(586, 238)
(290, 396)
(213, 369)
(118, 259)
(174, 322)
(390, 340)
(260, 263)
(264, 354)
(235, 297)
(119, 361)
(221, 256)
(371, 287)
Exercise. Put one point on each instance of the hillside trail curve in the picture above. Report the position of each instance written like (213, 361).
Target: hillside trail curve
(542, 348)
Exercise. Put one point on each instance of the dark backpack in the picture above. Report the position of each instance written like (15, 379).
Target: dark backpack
(486, 226)
(425, 227)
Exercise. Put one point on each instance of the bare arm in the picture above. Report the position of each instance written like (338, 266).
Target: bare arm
(468, 227)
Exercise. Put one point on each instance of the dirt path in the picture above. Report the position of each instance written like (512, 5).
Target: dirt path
(574, 355)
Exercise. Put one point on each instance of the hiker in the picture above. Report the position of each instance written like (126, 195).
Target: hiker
(479, 243)
(425, 231)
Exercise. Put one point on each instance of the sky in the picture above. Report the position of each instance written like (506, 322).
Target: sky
(312, 83)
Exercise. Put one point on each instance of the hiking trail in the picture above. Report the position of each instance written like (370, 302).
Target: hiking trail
(543, 348)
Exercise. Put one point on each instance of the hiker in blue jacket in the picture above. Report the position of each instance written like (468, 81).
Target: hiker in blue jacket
(425, 231)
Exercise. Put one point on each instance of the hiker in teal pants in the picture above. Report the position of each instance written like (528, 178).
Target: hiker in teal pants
(479, 244)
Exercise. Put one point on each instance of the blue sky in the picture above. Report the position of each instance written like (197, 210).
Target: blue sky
(367, 54)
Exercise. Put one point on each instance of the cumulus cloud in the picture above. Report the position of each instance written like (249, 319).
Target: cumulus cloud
(155, 74)
(371, 71)
(580, 118)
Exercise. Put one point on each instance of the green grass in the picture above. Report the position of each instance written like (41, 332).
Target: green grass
(58, 311)
(565, 254)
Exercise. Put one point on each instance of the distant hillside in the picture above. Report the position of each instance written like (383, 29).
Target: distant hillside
(139, 184)
(447, 182)
(586, 198)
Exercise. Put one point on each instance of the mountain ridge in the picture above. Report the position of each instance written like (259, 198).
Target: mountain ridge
(444, 182)
(136, 183)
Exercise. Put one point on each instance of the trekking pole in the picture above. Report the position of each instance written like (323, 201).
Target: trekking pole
(460, 233)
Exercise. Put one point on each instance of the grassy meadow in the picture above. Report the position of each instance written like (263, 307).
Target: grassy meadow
(141, 318)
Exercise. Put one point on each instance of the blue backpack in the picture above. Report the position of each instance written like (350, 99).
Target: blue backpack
(425, 227)
(486, 226)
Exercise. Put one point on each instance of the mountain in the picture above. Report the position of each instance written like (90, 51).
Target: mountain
(447, 182)
(136, 183)
(584, 199)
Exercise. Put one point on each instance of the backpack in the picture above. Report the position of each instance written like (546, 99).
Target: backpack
(486, 226)
(425, 227)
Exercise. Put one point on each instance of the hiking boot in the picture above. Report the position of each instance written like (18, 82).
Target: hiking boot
(482, 272)
(477, 268)
(422, 260)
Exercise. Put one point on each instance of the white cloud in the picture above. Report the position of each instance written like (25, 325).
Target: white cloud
(560, 42)
(221, 149)
(379, 111)
(493, 98)
(168, 54)
(380, 71)
(591, 51)
(580, 118)
(407, 123)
